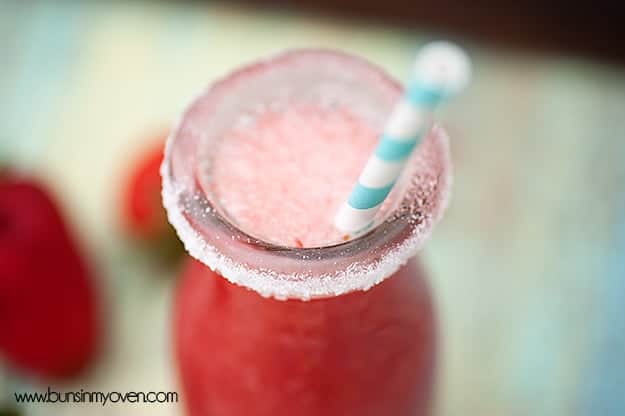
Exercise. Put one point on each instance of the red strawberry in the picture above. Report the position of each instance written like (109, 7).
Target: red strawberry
(143, 215)
(48, 314)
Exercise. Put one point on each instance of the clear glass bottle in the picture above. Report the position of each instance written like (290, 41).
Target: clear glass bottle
(346, 329)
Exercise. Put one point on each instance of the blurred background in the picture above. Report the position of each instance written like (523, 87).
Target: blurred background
(528, 267)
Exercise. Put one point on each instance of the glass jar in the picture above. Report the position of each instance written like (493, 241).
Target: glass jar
(346, 329)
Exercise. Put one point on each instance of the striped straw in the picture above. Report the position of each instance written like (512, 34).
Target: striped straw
(441, 70)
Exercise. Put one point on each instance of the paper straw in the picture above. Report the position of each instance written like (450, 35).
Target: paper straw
(441, 70)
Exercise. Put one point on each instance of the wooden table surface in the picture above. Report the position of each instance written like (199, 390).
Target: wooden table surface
(528, 267)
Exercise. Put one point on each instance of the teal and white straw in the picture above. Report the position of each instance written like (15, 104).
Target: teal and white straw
(441, 71)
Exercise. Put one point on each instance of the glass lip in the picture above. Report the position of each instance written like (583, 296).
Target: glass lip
(268, 245)
(395, 225)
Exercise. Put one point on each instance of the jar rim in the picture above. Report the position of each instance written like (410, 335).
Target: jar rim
(293, 272)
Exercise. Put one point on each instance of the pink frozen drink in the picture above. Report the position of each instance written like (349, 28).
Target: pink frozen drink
(254, 174)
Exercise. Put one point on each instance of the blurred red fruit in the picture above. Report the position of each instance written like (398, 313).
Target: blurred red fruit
(142, 210)
(49, 322)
